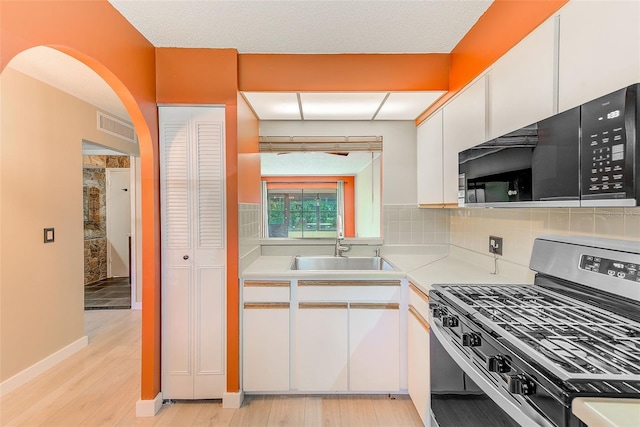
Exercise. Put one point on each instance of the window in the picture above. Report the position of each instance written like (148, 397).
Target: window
(300, 213)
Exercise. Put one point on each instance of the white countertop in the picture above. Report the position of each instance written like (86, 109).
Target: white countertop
(601, 412)
(427, 269)
(452, 270)
(275, 266)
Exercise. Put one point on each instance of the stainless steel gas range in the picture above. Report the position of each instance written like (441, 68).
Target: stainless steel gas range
(509, 355)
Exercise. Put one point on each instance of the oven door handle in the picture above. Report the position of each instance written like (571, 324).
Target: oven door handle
(524, 418)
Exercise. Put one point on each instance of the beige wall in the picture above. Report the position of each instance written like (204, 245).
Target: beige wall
(41, 285)
(471, 228)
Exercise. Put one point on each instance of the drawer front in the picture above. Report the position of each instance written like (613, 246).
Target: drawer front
(348, 290)
(266, 291)
(419, 300)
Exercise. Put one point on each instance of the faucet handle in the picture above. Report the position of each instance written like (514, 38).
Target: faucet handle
(377, 252)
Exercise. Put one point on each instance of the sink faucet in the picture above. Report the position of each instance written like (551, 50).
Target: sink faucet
(340, 249)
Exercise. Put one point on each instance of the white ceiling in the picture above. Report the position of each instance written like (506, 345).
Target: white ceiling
(305, 26)
(294, 26)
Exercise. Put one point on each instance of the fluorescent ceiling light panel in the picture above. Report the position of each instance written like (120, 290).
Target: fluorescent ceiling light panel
(341, 106)
(407, 105)
(274, 105)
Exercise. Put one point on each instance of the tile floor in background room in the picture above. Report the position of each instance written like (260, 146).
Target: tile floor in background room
(108, 294)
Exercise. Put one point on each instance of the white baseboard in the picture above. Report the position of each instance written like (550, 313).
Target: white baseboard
(232, 400)
(149, 408)
(37, 368)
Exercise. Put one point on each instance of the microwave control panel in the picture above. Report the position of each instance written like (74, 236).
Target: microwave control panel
(604, 145)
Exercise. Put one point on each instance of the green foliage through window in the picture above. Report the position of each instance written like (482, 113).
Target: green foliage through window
(302, 213)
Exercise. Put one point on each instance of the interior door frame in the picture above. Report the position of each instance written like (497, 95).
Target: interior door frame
(108, 172)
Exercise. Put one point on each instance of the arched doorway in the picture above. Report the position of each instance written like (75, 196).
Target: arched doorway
(110, 156)
(24, 202)
(43, 129)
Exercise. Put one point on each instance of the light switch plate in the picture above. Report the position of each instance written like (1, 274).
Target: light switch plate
(49, 235)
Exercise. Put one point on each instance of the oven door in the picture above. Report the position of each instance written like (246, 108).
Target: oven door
(455, 399)
(464, 393)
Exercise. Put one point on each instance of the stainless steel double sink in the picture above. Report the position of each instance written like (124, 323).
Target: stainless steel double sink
(330, 263)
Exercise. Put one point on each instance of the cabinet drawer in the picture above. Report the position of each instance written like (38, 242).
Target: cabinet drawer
(266, 290)
(349, 290)
(419, 300)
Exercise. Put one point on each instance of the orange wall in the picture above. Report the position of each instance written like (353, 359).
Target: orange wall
(96, 34)
(344, 72)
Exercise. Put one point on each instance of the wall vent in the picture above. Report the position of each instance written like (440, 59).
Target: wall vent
(116, 127)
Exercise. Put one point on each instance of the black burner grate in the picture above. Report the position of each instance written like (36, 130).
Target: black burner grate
(581, 340)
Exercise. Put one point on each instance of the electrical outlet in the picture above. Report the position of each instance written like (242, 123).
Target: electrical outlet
(495, 245)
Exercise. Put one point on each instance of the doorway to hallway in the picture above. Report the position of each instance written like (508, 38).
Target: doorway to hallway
(108, 223)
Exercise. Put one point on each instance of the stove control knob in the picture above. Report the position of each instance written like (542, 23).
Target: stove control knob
(471, 339)
(450, 321)
(437, 312)
(499, 364)
(520, 384)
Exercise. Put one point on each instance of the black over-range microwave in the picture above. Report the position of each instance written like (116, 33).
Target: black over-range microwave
(586, 156)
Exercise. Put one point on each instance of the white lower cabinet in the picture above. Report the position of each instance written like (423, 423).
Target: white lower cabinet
(321, 347)
(418, 368)
(266, 350)
(323, 336)
(374, 347)
(265, 363)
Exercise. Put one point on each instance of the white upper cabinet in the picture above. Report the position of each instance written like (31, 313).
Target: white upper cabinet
(429, 153)
(521, 82)
(464, 124)
(599, 49)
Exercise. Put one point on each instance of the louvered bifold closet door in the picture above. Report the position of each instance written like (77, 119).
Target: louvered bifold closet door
(193, 252)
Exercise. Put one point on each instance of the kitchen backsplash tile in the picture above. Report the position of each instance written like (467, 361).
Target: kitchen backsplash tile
(632, 222)
(408, 224)
(471, 228)
(248, 227)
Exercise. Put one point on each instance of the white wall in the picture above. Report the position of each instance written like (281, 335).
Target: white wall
(367, 200)
(41, 285)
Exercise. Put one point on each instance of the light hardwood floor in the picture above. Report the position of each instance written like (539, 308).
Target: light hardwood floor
(99, 386)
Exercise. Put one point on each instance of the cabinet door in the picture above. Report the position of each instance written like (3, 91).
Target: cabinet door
(374, 347)
(265, 347)
(599, 49)
(418, 366)
(463, 127)
(429, 151)
(321, 347)
(193, 252)
(521, 83)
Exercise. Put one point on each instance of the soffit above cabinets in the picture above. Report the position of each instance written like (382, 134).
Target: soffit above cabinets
(340, 105)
